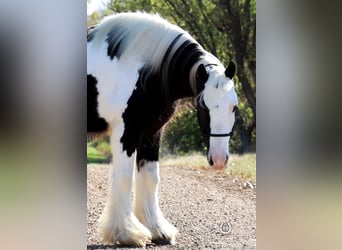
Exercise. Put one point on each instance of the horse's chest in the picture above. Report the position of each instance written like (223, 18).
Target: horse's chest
(116, 81)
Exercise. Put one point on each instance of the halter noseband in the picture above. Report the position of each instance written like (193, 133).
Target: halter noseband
(221, 135)
(205, 108)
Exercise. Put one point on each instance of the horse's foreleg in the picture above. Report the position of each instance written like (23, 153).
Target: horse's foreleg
(146, 200)
(119, 224)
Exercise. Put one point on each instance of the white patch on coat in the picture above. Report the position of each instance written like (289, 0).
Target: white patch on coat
(116, 81)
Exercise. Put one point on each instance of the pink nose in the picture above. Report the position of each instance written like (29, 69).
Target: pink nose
(218, 162)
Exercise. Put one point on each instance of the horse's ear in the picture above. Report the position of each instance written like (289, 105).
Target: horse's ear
(230, 70)
(202, 74)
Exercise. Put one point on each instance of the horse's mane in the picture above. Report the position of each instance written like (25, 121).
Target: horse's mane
(148, 38)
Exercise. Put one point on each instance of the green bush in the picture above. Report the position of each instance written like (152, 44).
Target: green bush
(98, 150)
(182, 134)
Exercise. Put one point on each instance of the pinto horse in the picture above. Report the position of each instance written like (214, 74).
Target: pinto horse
(138, 67)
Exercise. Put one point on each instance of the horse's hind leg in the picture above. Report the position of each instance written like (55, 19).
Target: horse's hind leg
(118, 221)
(146, 200)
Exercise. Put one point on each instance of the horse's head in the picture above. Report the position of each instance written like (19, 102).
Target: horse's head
(216, 104)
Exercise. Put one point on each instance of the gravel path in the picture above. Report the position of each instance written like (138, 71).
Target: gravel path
(210, 211)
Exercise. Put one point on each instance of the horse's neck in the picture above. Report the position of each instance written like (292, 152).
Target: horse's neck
(178, 86)
(179, 67)
(179, 89)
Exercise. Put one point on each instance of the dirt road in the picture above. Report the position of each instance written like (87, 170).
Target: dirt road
(210, 211)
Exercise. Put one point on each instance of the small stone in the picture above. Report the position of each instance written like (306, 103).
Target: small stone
(248, 184)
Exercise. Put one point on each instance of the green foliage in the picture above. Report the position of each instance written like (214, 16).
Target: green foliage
(99, 151)
(130, 5)
(182, 134)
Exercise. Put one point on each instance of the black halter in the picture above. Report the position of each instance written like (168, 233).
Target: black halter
(221, 135)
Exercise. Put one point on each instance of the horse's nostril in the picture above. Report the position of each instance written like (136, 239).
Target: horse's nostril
(211, 162)
(226, 159)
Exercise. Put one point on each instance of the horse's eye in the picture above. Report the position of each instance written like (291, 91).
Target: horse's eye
(234, 109)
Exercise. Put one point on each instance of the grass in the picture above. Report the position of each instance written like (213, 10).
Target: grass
(94, 155)
(243, 166)
(194, 160)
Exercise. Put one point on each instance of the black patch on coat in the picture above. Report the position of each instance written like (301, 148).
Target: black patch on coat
(91, 33)
(148, 150)
(202, 110)
(154, 101)
(178, 70)
(169, 49)
(204, 121)
(114, 40)
(145, 115)
(94, 122)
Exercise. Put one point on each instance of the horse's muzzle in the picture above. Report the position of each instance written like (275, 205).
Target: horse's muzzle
(218, 162)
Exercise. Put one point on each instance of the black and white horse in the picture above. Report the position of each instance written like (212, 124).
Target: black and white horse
(138, 66)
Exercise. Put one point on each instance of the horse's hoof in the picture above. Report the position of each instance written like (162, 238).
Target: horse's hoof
(165, 234)
(129, 232)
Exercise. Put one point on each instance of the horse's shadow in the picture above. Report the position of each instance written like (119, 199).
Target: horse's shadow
(100, 247)
(119, 246)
